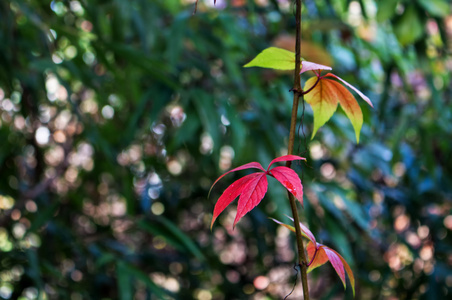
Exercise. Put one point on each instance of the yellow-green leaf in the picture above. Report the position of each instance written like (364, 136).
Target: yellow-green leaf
(323, 100)
(274, 58)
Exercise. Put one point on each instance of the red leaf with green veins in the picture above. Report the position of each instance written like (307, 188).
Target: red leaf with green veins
(251, 196)
(229, 195)
(252, 188)
(290, 180)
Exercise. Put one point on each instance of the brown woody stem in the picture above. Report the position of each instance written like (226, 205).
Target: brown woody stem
(302, 262)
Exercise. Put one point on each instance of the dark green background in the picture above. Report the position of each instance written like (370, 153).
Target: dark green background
(117, 116)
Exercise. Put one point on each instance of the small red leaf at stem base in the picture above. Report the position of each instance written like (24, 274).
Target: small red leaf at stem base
(232, 192)
(290, 180)
(251, 196)
(317, 256)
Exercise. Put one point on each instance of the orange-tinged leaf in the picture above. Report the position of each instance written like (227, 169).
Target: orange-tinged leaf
(336, 262)
(350, 107)
(290, 180)
(232, 192)
(317, 256)
(349, 273)
(251, 196)
(365, 98)
(325, 254)
(323, 100)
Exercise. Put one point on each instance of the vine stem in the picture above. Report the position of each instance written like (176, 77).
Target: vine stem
(302, 262)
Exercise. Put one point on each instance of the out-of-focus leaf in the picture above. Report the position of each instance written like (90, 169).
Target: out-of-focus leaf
(437, 8)
(409, 27)
(386, 9)
(159, 292)
(309, 50)
(174, 235)
(124, 281)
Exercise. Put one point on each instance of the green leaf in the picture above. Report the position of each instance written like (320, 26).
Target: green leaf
(274, 58)
(409, 28)
(386, 9)
(437, 8)
(124, 281)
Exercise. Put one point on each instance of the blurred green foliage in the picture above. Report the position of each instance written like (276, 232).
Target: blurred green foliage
(117, 116)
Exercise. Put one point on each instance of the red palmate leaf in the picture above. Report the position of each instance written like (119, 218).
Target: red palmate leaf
(252, 188)
(319, 254)
(252, 195)
(290, 180)
(232, 192)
